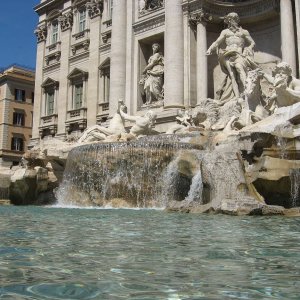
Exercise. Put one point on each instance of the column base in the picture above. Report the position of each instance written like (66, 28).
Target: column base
(170, 106)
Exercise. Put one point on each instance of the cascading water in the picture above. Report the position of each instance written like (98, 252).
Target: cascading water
(142, 173)
(196, 190)
(295, 187)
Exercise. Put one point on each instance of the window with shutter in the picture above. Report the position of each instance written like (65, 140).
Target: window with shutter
(17, 144)
(19, 95)
(50, 103)
(78, 95)
(82, 20)
(54, 32)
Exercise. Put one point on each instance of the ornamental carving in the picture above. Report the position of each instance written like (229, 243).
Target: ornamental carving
(94, 8)
(149, 5)
(41, 33)
(199, 16)
(66, 21)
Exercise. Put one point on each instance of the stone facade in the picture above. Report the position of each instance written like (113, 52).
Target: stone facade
(91, 53)
(16, 113)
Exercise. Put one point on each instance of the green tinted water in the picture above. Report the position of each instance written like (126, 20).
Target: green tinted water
(56, 253)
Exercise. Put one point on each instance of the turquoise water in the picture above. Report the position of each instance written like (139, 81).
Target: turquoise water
(56, 253)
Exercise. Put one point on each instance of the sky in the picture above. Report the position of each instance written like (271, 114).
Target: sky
(18, 41)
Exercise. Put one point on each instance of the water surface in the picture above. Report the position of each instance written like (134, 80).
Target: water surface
(57, 253)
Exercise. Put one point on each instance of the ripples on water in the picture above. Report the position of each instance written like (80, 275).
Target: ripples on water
(55, 253)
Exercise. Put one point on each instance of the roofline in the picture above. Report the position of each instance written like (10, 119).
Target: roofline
(40, 8)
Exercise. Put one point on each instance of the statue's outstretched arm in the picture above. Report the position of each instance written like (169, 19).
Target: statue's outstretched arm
(127, 117)
(215, 45)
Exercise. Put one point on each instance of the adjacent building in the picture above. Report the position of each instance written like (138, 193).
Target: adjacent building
(91, 53)
(16, 113)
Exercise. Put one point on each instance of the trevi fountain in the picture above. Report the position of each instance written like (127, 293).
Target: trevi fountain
(236, 154)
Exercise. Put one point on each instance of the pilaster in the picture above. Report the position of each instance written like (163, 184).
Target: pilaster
(174, 55)
(199, 20)
(288, 48)
(66, 27)
(92, 99)
(118, 54)
(41, 33)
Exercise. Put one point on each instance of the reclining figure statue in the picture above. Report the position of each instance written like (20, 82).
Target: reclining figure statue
(116, 130)
(100, 133)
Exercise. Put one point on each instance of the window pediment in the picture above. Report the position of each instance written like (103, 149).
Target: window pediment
(54, 14)
(50, 83)
(78, 74)
(105, 64)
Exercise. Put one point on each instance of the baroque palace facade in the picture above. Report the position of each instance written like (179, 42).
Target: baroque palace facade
(16, 113)
(150, 53)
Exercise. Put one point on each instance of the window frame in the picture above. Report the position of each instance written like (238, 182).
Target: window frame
(17, 143)
(82, 12)
(49, 95)
(54, 32)
(20, 96)
(18, 118)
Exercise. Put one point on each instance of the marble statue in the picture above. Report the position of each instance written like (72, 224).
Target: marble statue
(235, 59)
(153, 77)
(286, 86)
(100, 133)
(184, 122)
(254, 105)
(143, 124)
(148, 5)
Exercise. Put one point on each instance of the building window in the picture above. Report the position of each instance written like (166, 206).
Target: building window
(32, 97)
(50, 88)
(18, 119)
(19, 95)
(77, 84)
(105, 78)
(54, 33)
(78, 95)
(82, 20)
(17, 144)
(49, 103)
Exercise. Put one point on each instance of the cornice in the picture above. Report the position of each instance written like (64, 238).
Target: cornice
(219, 8)
(149, 23)
(46, 6)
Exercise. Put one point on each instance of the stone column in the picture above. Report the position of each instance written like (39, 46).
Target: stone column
(297, 13)
(95, 10)
(118, 55)
(66, 22)
(41, 33)
(288, 49)
(174, 51)
(198, 20)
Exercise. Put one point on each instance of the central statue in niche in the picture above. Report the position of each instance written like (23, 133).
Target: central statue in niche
(152, 80)
(236, 59)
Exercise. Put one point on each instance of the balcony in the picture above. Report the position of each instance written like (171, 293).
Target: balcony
(48, 125)
(103, 112)
(54, 47)
(76, 119)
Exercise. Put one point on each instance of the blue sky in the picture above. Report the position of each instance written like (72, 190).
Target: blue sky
(17, 23)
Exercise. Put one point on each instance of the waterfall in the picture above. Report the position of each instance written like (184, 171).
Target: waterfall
(282, 144)
(295, 187)
(140, 173)
(195, 192)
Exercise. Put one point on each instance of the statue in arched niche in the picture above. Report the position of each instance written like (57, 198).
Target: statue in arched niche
(148, 5)
(152, 80)
(236, 59)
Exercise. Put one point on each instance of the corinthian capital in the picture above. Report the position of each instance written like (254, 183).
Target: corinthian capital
(199, 16)
(66, 21)
(94, 8)
(41, 33)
